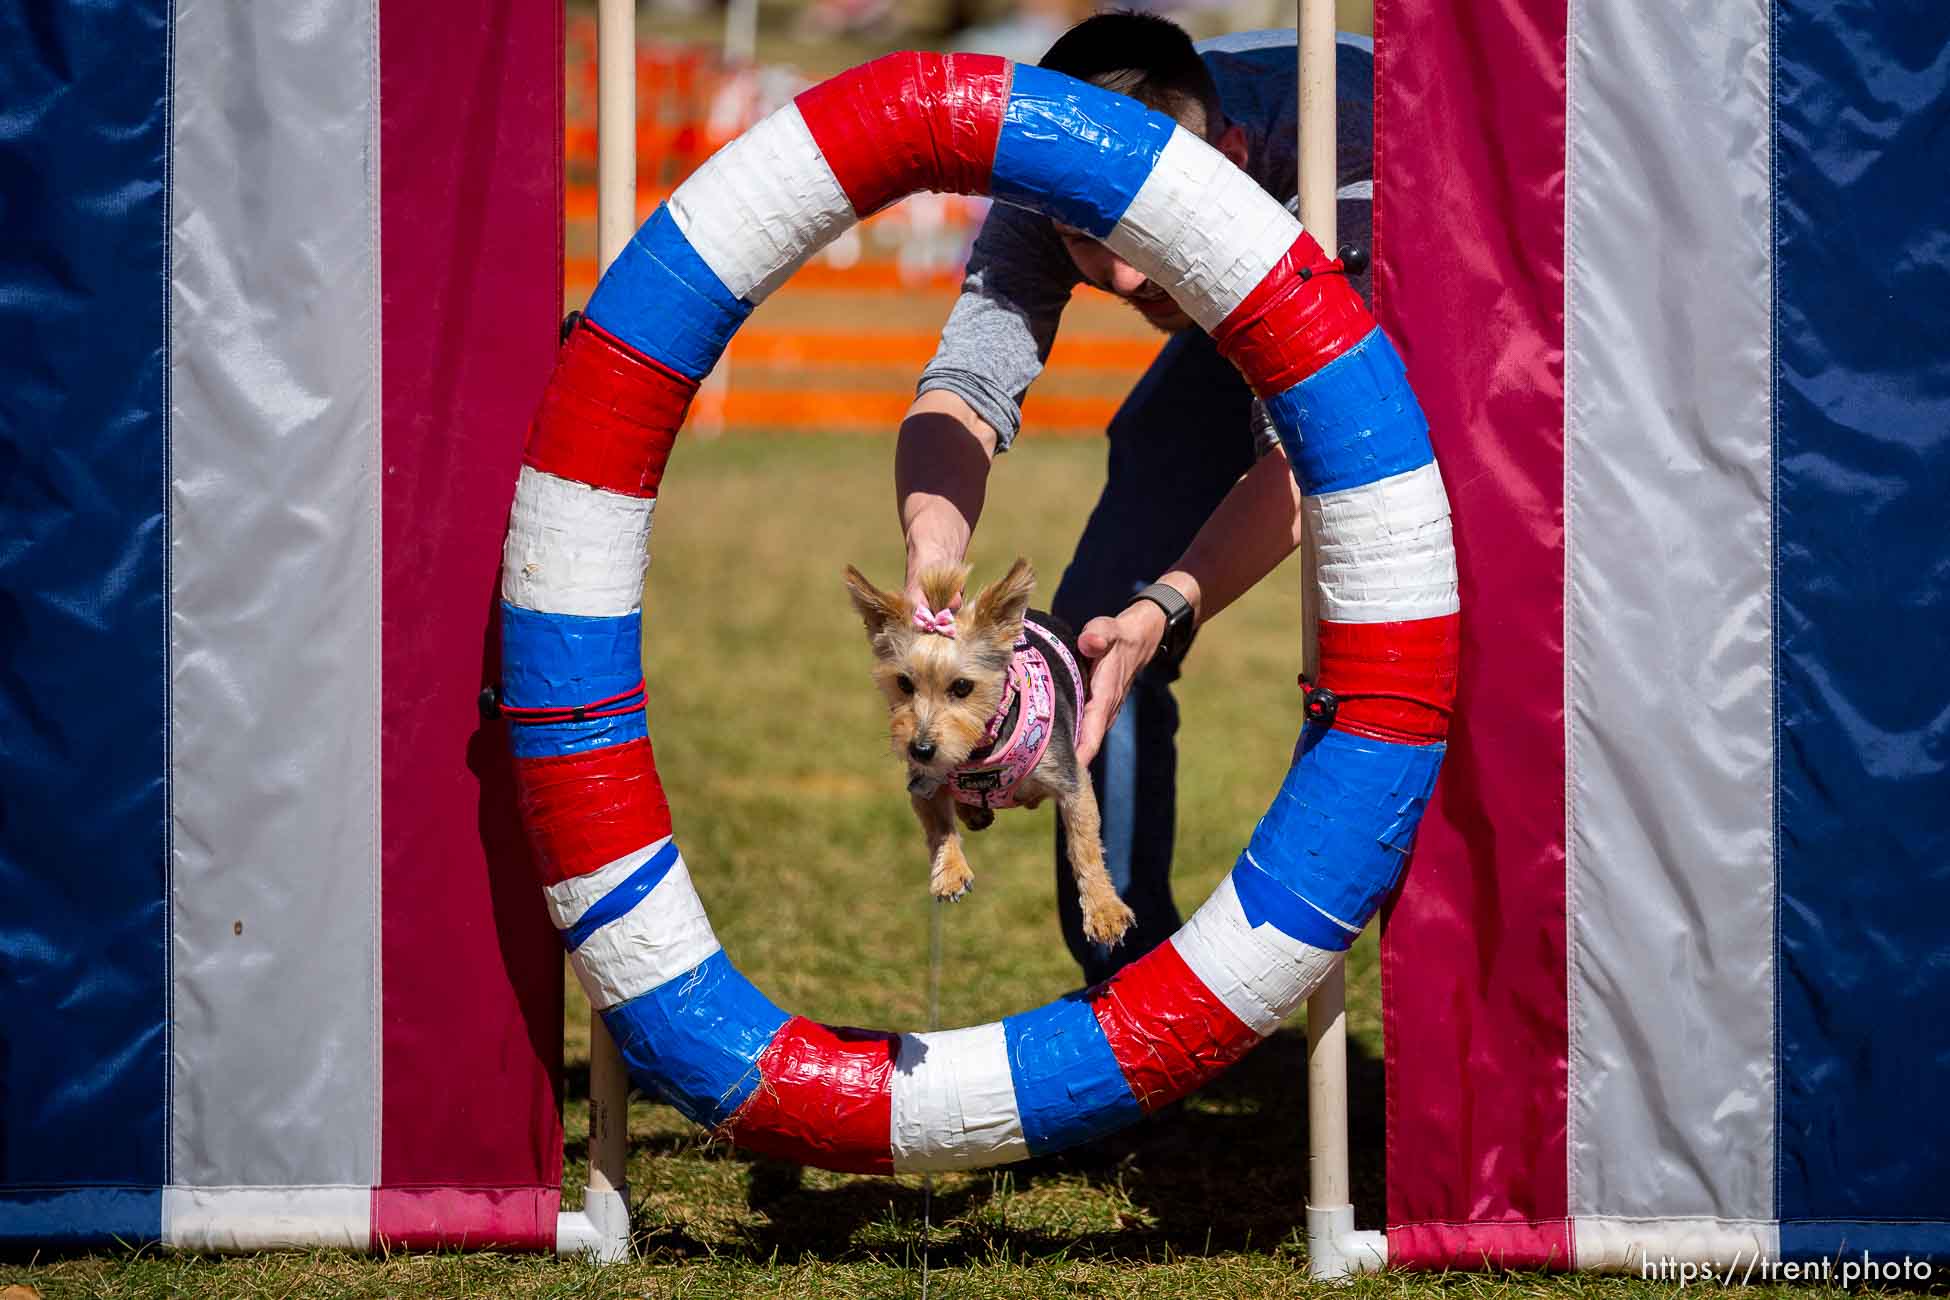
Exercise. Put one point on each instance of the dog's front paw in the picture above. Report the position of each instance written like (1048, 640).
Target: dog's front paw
(1106, 919)
(951, 879)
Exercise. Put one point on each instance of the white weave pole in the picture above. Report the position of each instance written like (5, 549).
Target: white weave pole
(602, 1229)
(1334, 1248)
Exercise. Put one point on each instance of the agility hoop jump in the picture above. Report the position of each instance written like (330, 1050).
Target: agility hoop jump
(691, 1028)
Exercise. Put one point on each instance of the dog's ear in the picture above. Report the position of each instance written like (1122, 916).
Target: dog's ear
(878, 609)
(999, 609)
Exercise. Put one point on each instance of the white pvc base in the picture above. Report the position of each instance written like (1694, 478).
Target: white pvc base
(1336, 1250)
(599, 1231)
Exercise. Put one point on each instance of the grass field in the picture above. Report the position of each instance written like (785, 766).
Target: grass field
(792, 817)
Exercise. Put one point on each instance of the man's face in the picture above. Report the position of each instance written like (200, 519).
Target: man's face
(1111, 273)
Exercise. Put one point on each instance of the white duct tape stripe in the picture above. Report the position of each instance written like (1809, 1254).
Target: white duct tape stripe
(662, 937)
(235, 1219)
(1260, 974)
(955, 1101)
(575, 549)
(568, 900)
(1203, 229)
(1648, 1247)
(762, 205)
(1386, 552)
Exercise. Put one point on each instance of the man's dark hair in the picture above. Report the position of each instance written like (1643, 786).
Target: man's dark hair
(1151, 59)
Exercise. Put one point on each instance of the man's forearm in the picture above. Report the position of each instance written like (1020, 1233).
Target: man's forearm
(941, 473)
(1255, 527)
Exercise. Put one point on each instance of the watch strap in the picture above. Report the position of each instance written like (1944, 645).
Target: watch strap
(1179, 623)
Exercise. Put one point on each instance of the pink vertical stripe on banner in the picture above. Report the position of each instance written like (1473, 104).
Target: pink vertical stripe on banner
(1469, 225)
(471, 239)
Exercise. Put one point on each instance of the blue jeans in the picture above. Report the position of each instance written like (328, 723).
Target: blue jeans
(1177, 445)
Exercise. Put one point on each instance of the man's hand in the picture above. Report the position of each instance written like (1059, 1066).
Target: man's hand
(1118, 649)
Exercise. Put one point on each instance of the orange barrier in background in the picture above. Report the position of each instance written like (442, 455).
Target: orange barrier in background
(838, 348)
(813, 410)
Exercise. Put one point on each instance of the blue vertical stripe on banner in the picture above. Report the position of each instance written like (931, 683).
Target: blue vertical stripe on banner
(83, 876)
(1862, 428)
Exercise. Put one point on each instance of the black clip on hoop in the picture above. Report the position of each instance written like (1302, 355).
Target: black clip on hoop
(1351, 261)
(1318, 702)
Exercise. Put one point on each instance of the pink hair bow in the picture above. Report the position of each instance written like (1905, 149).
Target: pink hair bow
(942, 624)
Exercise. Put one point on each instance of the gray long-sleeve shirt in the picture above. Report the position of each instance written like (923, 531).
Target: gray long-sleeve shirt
(1019, 278)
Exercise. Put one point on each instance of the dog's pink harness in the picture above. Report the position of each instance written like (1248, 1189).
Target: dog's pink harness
(991, 781)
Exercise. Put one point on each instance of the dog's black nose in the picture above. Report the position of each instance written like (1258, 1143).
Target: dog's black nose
(920, 750)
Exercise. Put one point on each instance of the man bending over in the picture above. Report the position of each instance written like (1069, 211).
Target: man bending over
(1187, 442)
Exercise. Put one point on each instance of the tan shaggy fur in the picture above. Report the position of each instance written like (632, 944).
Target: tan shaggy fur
(941, 692)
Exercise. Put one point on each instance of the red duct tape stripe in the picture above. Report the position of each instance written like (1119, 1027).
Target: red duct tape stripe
(1290, 326)
(1415, 659)
(826, 1099)
(609, 416)
(910, 122)
(1169, 1033)
(587, 809)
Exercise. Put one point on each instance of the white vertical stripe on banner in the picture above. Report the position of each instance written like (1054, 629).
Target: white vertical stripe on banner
(267, 1218)
(274, 591)
(1669, 677)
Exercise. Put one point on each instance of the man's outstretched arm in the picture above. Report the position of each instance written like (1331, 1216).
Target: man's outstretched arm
(1256, 526)
(941, 477)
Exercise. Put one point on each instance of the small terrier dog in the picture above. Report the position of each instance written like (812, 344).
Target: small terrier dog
(984, 708)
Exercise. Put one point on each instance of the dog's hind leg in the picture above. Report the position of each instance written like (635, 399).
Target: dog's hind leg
(1105, 916)
(948, 874)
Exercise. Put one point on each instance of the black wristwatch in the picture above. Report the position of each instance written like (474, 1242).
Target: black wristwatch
(1180, 627)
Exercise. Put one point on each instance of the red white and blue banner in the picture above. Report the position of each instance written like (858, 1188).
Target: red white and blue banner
(1668, 978)
(278, 292)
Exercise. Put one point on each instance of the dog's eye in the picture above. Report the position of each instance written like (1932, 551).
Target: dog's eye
(960, 688)
(906, 684)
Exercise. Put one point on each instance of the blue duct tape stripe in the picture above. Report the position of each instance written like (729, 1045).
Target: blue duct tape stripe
(1069, 1088)
(1265, 901)
(1340, 828)
(622, 900)
(562, 660)
(661, 298)
(554, 739)
(1354, 421)
(1074, 152)
(697, 1038)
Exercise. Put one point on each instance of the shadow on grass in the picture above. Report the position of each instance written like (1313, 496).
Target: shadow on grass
(1224, 1171)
